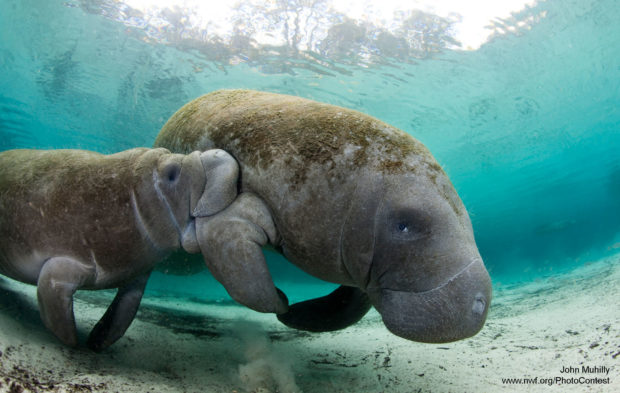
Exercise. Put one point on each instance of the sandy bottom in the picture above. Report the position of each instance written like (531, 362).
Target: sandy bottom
(534, 330)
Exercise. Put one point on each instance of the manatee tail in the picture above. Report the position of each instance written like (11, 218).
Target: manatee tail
(338, 310)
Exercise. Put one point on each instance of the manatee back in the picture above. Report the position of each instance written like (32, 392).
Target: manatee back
(61, 180)
(267, 130)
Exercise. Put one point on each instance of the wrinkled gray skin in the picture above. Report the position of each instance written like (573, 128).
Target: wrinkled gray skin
(73, 219)
(347, 198)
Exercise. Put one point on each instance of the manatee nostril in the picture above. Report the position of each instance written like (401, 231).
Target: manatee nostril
(479, 305)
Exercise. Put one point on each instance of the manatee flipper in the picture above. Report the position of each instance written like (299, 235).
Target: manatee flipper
(221, 189)
(338, 310)
(231, 243)
(58, 280)
(119, 315)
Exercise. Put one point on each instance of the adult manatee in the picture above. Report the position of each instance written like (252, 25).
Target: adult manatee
(348, 199)
(75, 219)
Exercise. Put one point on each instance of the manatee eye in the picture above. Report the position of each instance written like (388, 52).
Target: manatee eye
(171, 173)
(408, 224)
(403, 227)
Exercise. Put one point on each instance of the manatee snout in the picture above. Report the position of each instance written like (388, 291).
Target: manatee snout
(454, 310)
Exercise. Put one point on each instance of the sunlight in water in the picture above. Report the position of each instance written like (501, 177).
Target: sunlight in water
(471, 19)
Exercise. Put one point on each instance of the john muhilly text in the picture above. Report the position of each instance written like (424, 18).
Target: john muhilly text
(585, 370)
(568, 375)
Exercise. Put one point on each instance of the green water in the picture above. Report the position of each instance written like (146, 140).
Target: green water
(527, 126)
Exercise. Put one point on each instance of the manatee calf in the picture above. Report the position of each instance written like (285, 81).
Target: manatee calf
(347, 198)
(74, 219)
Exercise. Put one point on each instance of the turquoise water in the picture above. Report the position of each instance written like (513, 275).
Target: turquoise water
(527, 126)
